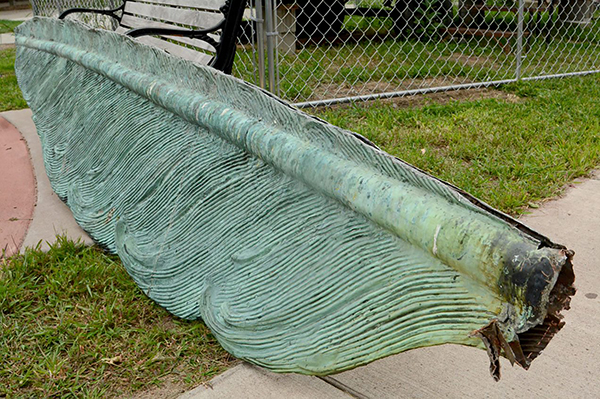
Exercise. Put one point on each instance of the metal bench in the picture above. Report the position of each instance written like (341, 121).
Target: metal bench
(203, 31)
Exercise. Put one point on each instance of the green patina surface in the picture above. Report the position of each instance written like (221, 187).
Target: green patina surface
(302, 246)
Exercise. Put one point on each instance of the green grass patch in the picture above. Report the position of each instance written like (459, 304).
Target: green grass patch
(507, 153)
(7, 26)
(74, 324)
(10, 94)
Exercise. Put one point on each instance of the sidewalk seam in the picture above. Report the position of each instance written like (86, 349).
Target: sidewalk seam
(342, 387)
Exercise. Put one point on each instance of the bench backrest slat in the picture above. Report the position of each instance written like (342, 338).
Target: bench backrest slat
(177, 50)
(212, 5)
(188, 17)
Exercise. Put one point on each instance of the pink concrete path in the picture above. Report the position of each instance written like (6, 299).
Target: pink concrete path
(17, 189)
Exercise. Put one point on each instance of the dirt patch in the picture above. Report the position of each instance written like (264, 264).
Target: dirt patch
(445, 97)
(351, 89)
(6, 46)
(472, 61)
(343, 90)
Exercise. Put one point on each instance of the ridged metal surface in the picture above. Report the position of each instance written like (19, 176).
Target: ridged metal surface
(302, 246)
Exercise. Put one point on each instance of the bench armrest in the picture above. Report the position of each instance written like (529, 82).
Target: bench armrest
(110, 13)
(201, 34)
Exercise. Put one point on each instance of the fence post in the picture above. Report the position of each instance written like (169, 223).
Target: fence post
(34, 7)
(271, 34)
(520, 39)
(260, 41)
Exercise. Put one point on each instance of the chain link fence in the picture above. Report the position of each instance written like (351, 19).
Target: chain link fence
(363, 49)
(318, 52)
(53, 8)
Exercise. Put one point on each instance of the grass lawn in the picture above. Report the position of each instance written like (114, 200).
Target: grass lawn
(72, 323)
(10, 94)
(508, 153)
(7, 26)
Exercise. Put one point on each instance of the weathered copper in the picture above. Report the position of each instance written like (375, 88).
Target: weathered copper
(302, 246)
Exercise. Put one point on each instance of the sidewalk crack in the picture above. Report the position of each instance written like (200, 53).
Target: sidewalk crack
(342, 387)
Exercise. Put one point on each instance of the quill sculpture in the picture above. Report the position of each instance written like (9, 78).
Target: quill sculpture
(302, 246)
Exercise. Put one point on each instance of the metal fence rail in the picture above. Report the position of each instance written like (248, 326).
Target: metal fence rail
(319, 52)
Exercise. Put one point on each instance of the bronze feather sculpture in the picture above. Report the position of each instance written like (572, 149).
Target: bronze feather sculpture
(302, 246)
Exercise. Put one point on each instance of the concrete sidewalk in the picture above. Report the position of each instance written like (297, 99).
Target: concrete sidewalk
(567, 368)
(50, 215)
(16, 15)
(13, 15)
